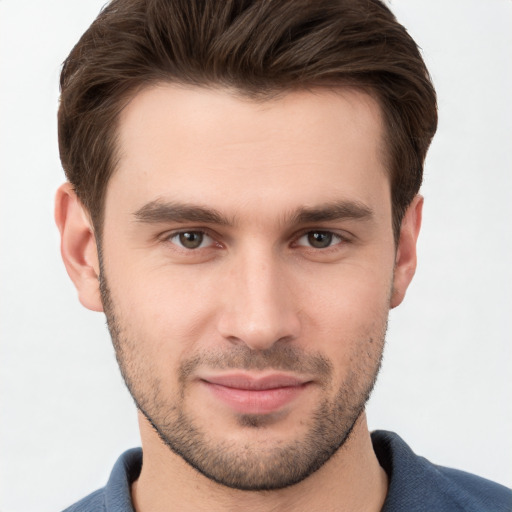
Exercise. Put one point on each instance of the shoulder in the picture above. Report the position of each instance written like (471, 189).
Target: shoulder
(116, 495)
(415, 484)
(473, 490)
(95, 501)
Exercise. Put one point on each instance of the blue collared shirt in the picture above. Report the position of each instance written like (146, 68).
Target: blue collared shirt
(415, 484)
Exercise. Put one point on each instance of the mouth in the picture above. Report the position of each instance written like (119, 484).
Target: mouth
(255, 394)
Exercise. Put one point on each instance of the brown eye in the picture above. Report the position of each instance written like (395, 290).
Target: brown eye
(191, 239)
(319, 239)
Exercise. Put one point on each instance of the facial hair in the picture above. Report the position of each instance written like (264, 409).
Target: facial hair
(251, 466)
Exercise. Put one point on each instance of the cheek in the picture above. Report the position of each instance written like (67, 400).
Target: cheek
(163, 310)
(349, 313)
(350, 294)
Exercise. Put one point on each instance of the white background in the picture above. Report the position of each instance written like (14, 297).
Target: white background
(445, 387)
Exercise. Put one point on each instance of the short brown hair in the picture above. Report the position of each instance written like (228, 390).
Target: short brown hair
(258, 47)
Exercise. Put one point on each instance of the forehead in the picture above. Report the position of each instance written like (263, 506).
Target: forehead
(205, 146)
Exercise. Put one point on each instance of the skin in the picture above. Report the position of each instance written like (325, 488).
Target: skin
(273, 172)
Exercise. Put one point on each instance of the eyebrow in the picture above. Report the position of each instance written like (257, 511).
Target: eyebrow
(338, 210)
(160, 211)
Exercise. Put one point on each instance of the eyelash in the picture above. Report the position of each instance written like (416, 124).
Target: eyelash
(170, 236)
(341, 239)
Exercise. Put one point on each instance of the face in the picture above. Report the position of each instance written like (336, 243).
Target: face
(247, 274)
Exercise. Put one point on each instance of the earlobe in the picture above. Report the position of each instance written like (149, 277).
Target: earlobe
(405, 262)
(78, 246)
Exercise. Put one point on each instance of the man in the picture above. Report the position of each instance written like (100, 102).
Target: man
(243, 205)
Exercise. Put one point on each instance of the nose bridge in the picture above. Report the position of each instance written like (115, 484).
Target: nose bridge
(258, 306)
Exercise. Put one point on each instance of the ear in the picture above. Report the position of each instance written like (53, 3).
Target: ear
(405, 261)
(78, 246)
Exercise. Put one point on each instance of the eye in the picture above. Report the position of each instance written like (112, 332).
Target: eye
(191, 239)
(319, 239)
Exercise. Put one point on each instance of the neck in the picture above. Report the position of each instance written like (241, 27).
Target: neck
(351, 480)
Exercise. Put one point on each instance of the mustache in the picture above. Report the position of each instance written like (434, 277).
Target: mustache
(278, 357)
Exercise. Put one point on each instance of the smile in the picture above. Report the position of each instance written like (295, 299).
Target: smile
(247, 394)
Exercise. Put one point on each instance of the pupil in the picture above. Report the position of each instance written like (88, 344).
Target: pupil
(191, 240)
(320, 239)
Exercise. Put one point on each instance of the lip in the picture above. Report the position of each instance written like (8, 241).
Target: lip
(255, 394)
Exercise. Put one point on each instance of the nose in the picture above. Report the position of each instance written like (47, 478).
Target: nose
(258, 302)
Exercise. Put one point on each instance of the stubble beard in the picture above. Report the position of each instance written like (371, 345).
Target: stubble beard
(256, 466)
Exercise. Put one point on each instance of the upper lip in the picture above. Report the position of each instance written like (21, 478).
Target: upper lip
(255, 382)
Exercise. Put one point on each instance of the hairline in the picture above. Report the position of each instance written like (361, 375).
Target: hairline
(244, 94)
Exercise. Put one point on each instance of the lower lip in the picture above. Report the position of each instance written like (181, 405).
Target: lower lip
(255, 401)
